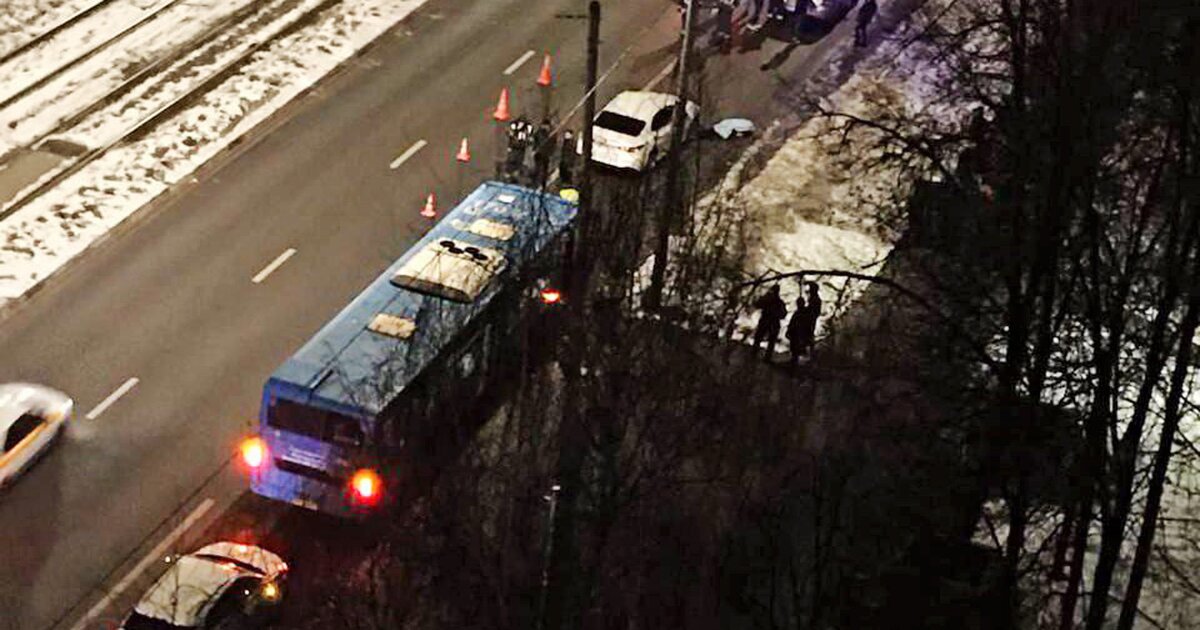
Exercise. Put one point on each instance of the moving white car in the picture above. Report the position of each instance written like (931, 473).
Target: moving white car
(223, 585)
(31, 417)
(634, 129)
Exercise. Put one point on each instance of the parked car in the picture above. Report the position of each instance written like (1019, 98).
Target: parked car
(634, 129)
(31, 418)
(224, 585)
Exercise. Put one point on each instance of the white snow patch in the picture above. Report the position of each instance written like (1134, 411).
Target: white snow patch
(53, 229)
(22, 20)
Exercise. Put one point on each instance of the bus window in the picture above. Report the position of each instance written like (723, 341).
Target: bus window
(314, 422)
(296, 418)
(345, 430)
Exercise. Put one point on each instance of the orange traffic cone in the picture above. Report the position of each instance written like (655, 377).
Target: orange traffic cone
(502, 107)
(464, 154)
(430, 209)
(544, 77)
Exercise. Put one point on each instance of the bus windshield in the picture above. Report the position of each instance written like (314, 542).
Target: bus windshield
(314, 422)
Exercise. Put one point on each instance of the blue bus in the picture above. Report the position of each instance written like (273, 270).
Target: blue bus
(387, 388)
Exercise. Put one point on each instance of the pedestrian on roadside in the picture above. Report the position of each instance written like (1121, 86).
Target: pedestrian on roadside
(566, 159)
(866, 13)
(518, 139)
(761, 13)
(813, 313)
(724, 34)
(772, 310)
(543, 149)
(795, 330)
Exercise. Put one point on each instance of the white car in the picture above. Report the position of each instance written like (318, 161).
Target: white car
(31, 417)
(634, 129)
(223, 585)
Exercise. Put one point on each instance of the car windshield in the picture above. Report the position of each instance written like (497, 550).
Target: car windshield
(138, 621)
(620, 123)
(234, 561)
(314, 422)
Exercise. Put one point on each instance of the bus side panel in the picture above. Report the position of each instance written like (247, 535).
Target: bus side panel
(427, 426)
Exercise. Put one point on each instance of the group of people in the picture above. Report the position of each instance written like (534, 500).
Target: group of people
(801, 328)
(530, 149)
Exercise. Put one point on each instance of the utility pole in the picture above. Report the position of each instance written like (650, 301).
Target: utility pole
(670, 207)
(548, 547)
(560, 592)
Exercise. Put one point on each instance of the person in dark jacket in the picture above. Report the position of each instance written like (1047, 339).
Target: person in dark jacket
(772, 310)
(724, 33)
(865, 14)
(812, 314)
(519, 133)
(797, 326)
(543, 150)
(566, 159)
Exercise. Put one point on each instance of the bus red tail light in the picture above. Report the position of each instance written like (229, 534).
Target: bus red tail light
(551, 296)
(254, 453)
(366, 487)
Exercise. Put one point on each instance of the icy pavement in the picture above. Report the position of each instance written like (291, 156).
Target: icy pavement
(43, 236)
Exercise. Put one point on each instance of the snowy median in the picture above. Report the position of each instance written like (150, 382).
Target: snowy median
(47, 233)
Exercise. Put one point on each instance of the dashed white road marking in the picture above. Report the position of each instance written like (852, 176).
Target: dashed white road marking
(409, 152)
(662, 74)
(112, 398)
(275, 264)
(145, 563)
(514, 66)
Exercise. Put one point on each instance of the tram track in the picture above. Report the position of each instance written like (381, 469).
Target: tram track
(61, 25)
(87, 54)
(261, 19)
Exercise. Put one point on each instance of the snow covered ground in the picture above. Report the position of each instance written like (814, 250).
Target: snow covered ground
(810, 206)
(47, 233)
(107, 124)
(87, 82)
(21, 20)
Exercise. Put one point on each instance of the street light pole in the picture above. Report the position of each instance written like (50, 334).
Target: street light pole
(547, 549)
(671, 196)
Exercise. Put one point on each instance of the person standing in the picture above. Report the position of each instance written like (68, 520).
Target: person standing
(812, 314)
(514, 160)
(724, 34)
(566, 159)
(772, 310)
(865, 14)
(796, 328)
(543, 150)
(761, 12)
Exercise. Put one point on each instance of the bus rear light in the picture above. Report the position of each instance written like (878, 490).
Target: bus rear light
(366, 487)
(254, 452)
(551, 296)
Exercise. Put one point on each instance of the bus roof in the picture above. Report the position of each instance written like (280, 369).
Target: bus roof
(385, 337)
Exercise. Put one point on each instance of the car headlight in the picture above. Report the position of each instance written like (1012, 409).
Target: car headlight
(61, 413)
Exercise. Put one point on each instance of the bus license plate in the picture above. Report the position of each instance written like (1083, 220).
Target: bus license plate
(305, 503)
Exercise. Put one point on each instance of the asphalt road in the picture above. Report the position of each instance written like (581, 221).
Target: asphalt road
(169, 299)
